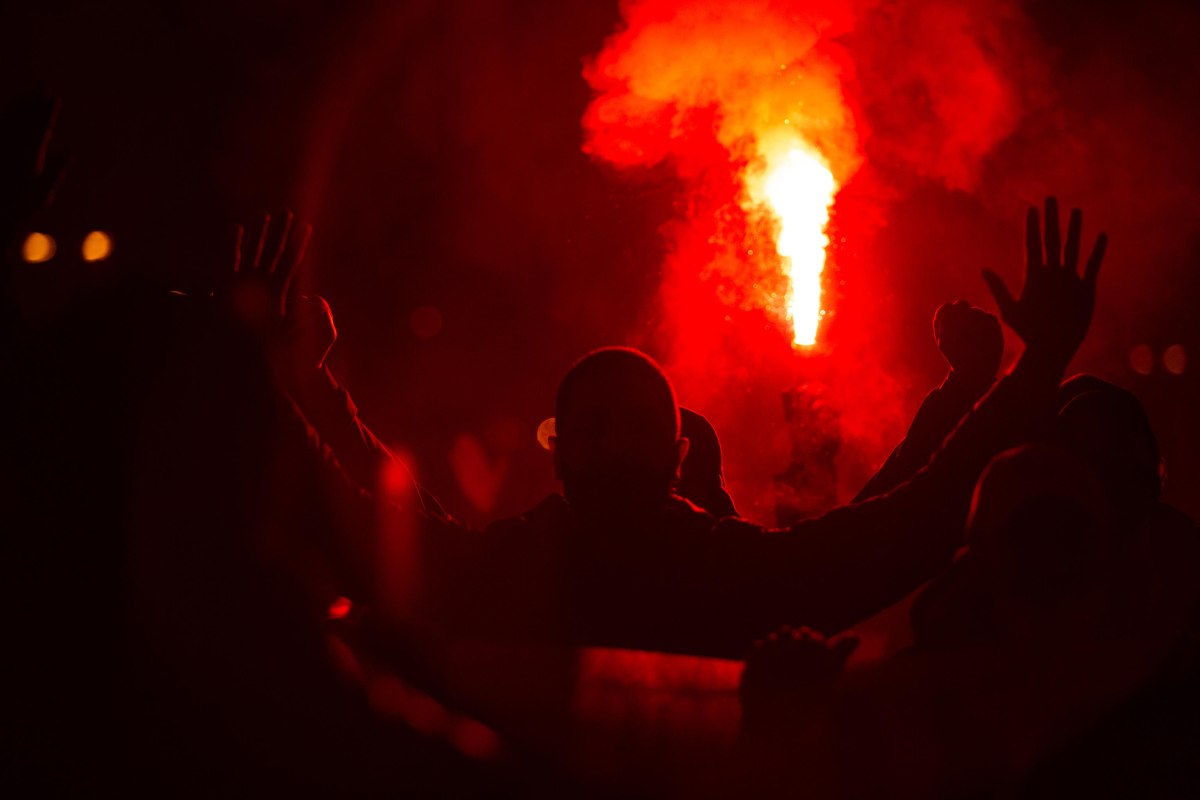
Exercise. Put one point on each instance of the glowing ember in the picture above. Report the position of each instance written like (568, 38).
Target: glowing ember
(799, 189)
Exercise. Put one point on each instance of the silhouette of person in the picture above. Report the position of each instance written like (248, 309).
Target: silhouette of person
(1147, 745)
(701, 479)
(298, 332)
(1059, 637)
(617, 447)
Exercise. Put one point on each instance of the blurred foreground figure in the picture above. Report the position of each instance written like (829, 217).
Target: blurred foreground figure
(171, 552)
(1134, 576)
(1063, 663)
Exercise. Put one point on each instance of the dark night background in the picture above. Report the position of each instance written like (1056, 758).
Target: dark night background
(436, 148)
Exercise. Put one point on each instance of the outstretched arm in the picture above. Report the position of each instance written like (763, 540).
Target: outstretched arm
(367, 461)
(299, 332)
(837, 569)
(972, 342)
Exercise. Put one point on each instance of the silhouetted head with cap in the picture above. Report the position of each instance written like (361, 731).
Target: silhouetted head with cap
(616, 446)
(1107, 427)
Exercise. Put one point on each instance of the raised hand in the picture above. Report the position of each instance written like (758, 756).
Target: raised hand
(260, 293)
(797, 662)
(970, 339)
(1055, 307)
(263, 270)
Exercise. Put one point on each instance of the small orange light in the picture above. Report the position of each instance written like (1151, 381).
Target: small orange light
(96, 246)
(1141, 359)
(1175, 359)
(544, 432)
(38, 248)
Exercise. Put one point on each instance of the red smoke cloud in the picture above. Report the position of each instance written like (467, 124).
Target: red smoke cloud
(945, 82)
(719, 92)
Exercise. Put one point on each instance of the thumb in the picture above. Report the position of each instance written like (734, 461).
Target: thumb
(1004, 300)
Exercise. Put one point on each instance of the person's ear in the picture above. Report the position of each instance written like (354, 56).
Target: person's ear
(681, 450)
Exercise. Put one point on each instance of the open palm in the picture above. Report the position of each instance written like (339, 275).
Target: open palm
(1055, 306)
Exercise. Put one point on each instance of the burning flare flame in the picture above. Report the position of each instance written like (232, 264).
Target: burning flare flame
(798, 189)
(745, 99)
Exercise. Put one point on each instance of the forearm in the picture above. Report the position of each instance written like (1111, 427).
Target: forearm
(331, 410)
(941, 411)
(366, 460)
(840, 568)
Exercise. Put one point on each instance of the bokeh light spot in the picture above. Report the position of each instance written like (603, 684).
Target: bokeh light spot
(96, 246)
(426, 322)
(544, 432)
(476, 740)
(1175, 359)
(479, 476)
(38, 248)
(396, 481)
(340, 608)
(1141, 359)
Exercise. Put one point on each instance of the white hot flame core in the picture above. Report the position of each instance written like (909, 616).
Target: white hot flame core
(799, 189)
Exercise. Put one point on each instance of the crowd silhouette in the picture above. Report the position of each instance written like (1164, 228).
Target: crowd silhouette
(222, 581)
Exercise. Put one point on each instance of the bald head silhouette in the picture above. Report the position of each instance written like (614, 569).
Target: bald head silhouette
(617, 446)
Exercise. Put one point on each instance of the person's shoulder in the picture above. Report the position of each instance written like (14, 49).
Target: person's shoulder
(736, 526)
(681, 512)
(551, 512)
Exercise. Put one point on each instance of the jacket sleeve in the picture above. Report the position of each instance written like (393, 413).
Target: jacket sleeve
(942, 410)
(835, 570)
(330, 410)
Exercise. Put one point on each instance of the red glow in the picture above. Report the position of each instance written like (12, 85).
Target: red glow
(392, 697)
(1175, 359)
(746, 102)
(766, 111)
(479, 476)
(1141, 359)
(340, 608)
(476, 740)
(799, 189)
